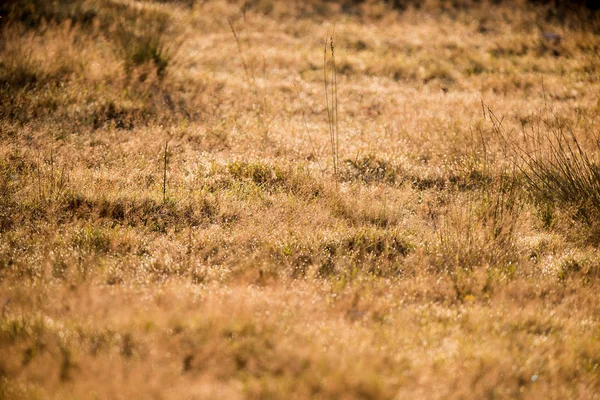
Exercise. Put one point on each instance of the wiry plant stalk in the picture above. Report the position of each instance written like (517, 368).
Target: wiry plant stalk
(335, 104)
(251, 81)
(332, 104)
(51, 171)
(327, 103)
(249, 77)
(310, 139)
(555, 166)
(165, 174)
(39, 178)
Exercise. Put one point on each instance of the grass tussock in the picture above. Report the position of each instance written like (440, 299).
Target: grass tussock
(559, 169)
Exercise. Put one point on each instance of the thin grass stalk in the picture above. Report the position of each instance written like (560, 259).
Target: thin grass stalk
(39, 176)
(333, 116)
(335, 106)
(310, 139)
(51, 172)
(557, 167)
(165, 174)
(240, 51)
(329, 109)
(251, 81)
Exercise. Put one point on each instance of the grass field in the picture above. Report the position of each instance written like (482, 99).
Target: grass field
(185, 214)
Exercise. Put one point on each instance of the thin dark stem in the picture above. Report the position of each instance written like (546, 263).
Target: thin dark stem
(329, 109)
(241, 52)
(312, 144)
(165, 174)
(335, 108)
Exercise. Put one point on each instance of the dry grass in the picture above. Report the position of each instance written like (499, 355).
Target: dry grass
(444, 251)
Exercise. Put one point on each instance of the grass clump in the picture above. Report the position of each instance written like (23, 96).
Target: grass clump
(565, 174)
(584, 267)
(557, 167)
(145, 43)
(33, 13)
(268, 177)
(371, 169)
(138, 32)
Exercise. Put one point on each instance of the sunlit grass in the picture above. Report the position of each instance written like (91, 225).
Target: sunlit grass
(179, 217)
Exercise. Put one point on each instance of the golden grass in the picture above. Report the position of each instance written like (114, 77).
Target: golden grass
(234, 262)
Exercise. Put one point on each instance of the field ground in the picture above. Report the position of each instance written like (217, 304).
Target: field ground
(453, 253)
